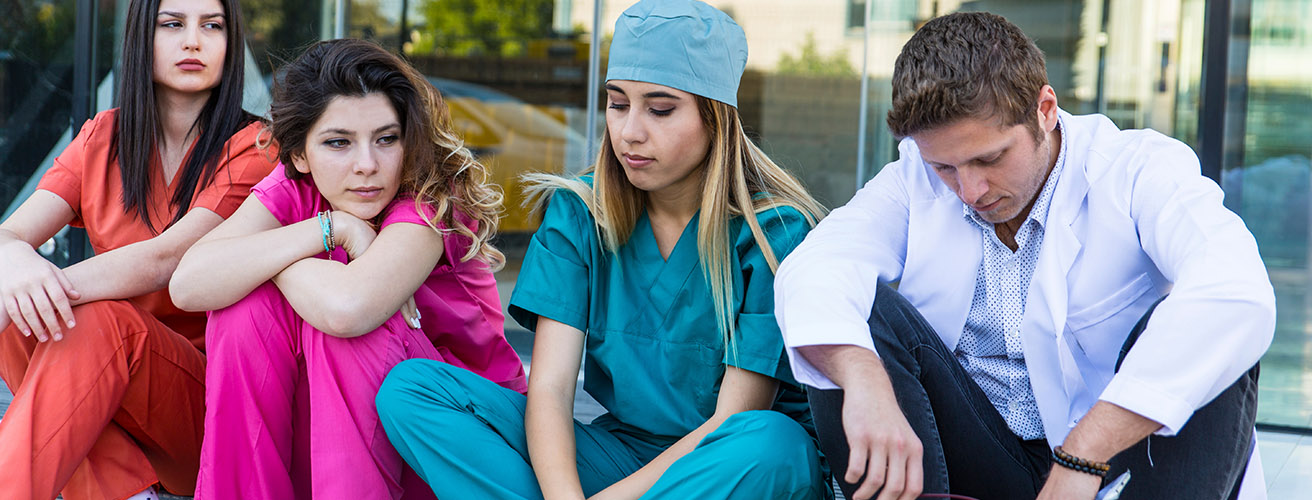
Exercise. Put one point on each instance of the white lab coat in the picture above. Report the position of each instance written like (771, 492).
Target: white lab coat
(1131, 220)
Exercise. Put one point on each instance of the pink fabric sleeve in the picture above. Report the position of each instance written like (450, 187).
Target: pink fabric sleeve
(402, 209)
(290, 201)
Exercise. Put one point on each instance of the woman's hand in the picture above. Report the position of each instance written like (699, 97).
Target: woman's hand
(352, 233)
(410, 312)
(35, 293)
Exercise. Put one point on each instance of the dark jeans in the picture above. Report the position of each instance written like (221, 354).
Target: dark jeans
(969, 449)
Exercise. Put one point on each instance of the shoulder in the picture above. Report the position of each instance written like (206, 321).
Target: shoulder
(100, 128)
(783, 225)
(1108, 150)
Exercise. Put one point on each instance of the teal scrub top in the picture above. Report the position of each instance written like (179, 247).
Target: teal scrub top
(654, 353)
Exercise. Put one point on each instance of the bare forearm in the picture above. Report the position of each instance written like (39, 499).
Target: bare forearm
(335, 297)
(1107, 430)
(550, 430)
(853, 368)
(215, 274)
(121, 273)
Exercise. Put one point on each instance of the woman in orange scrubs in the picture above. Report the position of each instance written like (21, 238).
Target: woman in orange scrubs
(108, 376)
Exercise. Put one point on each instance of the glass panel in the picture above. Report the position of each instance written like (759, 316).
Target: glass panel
(1269, 189)
(513, 73)
(36, 88)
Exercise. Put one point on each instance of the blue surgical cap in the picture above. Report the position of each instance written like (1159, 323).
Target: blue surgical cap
(684, 44)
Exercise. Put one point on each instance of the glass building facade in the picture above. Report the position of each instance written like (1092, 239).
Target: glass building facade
(1231, 78)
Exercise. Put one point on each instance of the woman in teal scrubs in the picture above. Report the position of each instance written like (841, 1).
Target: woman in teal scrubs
(648, 265)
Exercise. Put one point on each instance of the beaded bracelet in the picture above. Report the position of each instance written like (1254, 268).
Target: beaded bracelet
(1079, 464)
(326, 224)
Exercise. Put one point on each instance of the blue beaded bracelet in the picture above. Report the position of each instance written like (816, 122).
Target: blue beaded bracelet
(326, 224)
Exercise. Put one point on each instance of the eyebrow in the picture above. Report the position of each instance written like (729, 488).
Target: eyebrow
(181, 15)
(650, 95)
(342, 131)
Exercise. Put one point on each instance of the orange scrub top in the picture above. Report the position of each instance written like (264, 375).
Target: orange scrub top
(85, 178)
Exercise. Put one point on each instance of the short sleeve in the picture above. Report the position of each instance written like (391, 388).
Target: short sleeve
(64, 178)
(290, 201)
(758, 342)
(244, 164)
(554, 279)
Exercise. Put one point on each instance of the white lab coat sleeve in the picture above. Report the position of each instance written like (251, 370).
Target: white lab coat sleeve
(824, 290)
(1220, 315)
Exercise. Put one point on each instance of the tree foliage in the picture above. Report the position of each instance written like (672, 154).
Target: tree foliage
(482, 27)
(809, 61)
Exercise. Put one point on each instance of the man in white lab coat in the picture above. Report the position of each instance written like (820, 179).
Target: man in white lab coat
(1072, 299)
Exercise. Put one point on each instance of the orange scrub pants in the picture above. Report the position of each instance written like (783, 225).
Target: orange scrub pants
(115, 407)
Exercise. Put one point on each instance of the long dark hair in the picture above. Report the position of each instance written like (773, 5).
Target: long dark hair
(436, 168)
(137, 123)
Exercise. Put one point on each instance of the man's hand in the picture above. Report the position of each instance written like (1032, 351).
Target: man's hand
(884, 449)
(1067, 484)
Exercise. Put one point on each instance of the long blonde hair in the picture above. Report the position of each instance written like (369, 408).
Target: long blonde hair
(734, 173)
(437, 169)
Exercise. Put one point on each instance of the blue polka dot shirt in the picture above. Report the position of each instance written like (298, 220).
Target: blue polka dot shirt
(990, 347)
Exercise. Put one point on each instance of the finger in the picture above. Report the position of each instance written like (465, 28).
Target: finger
(64, 282)
(915, 483)
(30, 319)
(895, 476)
(876, 465)
(856, 463)
(16, 316)
(62, 305)
(45, 309)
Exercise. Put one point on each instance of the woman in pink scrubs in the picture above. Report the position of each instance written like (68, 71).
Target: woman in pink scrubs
(369, 247)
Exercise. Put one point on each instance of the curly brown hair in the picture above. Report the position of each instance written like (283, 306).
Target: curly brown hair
(437, 169)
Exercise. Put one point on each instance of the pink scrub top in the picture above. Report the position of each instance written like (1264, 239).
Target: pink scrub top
(459, 305)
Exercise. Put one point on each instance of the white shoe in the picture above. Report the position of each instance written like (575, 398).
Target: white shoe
(146, 494)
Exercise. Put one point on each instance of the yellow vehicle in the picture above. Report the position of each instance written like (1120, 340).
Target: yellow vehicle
(510, 137)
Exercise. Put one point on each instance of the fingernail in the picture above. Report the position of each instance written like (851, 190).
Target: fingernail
(59, 337)
(418, 315)
(72, 323)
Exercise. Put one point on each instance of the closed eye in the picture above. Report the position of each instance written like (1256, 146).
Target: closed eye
(662, 112)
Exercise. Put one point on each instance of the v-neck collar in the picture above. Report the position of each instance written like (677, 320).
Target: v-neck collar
(668, 276)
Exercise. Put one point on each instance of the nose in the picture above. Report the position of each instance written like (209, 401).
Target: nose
(633, 130)
(366, 161)
(192, 39)
(972, 185)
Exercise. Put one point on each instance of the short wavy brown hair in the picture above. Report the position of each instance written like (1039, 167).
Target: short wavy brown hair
(966, 65)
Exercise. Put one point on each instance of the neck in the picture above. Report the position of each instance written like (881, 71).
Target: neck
(177, 114)
(679, 202)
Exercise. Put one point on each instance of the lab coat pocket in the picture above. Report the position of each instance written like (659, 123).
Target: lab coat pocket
(1100, 329)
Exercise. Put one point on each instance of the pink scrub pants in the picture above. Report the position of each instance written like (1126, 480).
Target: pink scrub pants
(290, 409)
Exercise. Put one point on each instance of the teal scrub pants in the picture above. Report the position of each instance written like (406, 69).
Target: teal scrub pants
(465, 436)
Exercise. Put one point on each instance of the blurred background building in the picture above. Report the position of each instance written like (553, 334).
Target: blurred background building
(1231, 78)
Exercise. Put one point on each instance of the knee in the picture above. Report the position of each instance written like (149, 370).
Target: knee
(415, 384)
(264, 309)
(111, 320)
(262, 303)
(791, 448)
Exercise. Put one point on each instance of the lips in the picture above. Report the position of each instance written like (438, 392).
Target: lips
(986, 208)
(190, 65)
(367, 192)
(637, 161)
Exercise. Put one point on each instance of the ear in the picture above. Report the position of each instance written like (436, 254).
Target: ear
(1047, 109)
(301, 164)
